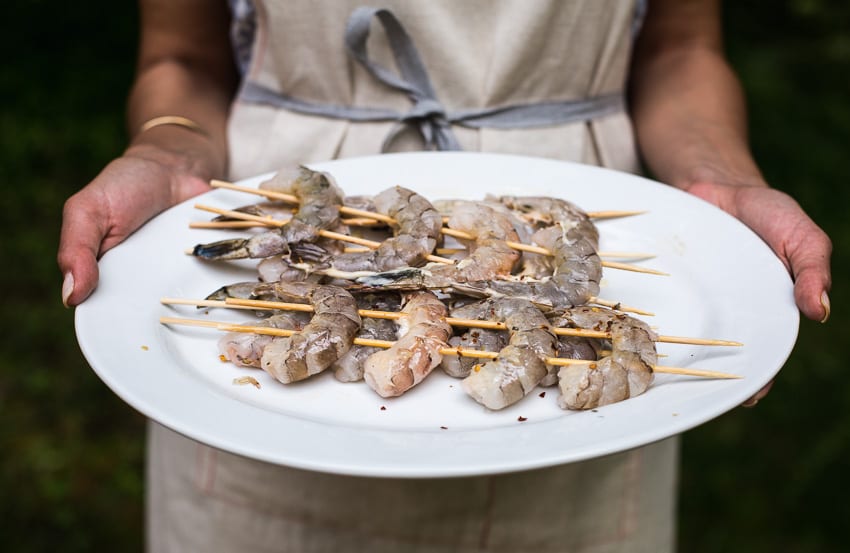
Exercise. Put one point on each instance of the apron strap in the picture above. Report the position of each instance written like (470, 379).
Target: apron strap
(427, 114)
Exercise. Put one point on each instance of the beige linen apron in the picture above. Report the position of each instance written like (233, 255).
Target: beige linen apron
(478, 54)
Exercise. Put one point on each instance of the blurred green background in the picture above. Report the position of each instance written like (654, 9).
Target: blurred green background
(771, 478)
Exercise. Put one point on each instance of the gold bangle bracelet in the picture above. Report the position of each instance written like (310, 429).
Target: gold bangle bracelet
(178, 120)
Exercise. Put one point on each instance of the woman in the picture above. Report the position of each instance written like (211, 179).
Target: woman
(307, 74)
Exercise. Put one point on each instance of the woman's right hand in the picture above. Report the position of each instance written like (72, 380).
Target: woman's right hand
(127, 193)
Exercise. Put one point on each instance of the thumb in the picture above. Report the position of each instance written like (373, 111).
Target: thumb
(79, 244)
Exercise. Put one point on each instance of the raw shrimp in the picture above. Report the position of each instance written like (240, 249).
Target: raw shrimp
(575, 279)
(327, 337)
(539, 266)
(349, 367)
(422, 333)
(319, 198)
(523, 228)
(626, 373)
(520, 366)
(489, 256)
(416, 234)
(543, 211)
(245, 349)
(478, 339)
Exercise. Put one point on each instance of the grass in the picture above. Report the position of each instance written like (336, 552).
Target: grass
(765, 479)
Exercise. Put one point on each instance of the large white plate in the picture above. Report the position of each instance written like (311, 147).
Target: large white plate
(725, 283)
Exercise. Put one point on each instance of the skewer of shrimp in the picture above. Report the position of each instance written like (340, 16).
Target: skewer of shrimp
(230, 327)
(312, 254)
(460, 320)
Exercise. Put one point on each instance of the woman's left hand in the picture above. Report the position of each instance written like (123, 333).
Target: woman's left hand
(801, 245)
(780, 221)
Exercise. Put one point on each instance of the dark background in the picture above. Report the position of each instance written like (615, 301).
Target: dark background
(771, 478)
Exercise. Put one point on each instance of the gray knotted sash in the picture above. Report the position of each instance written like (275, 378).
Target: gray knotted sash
(427, 113)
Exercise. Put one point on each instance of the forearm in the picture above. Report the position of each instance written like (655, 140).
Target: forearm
(690, 120)
(687, 104)
(185, 69)
(171, 88)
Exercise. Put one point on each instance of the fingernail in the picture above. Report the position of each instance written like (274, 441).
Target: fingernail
(750, 402)
(67, 288)
(824, 301)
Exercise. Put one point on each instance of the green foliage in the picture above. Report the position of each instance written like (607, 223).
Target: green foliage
(772, 478)
(765, 479)
(71, 474)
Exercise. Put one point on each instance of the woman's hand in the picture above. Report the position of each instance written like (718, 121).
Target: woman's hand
(185, 68)
(798, 242)
(690, 121)
(126, 194)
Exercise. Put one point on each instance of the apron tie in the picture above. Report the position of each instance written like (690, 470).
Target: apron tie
(427, 114)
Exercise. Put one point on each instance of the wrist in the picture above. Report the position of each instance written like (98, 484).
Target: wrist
(714, 174)
(181, 150)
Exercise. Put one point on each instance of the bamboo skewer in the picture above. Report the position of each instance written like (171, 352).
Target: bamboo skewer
(371, 244)
(620, 307)
(452, 251)
(229, 327)
(543, 251)
(470, 323)
(282, 196)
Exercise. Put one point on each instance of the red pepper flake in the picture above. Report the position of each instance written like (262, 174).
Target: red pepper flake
(542, 394)
(521, 419)
(222, 358)
(383, 408)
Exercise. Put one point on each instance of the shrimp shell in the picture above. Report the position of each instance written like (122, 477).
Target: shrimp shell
(423, 332)
(327, 337)
(349, 367)
(626, 373)
(520, 366)
(246, 349)
(416, 234)
(319, 198)
(490, 255)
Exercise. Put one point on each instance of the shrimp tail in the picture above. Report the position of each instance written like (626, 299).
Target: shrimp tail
(308, 252)
(223, 249)
(406, 278)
